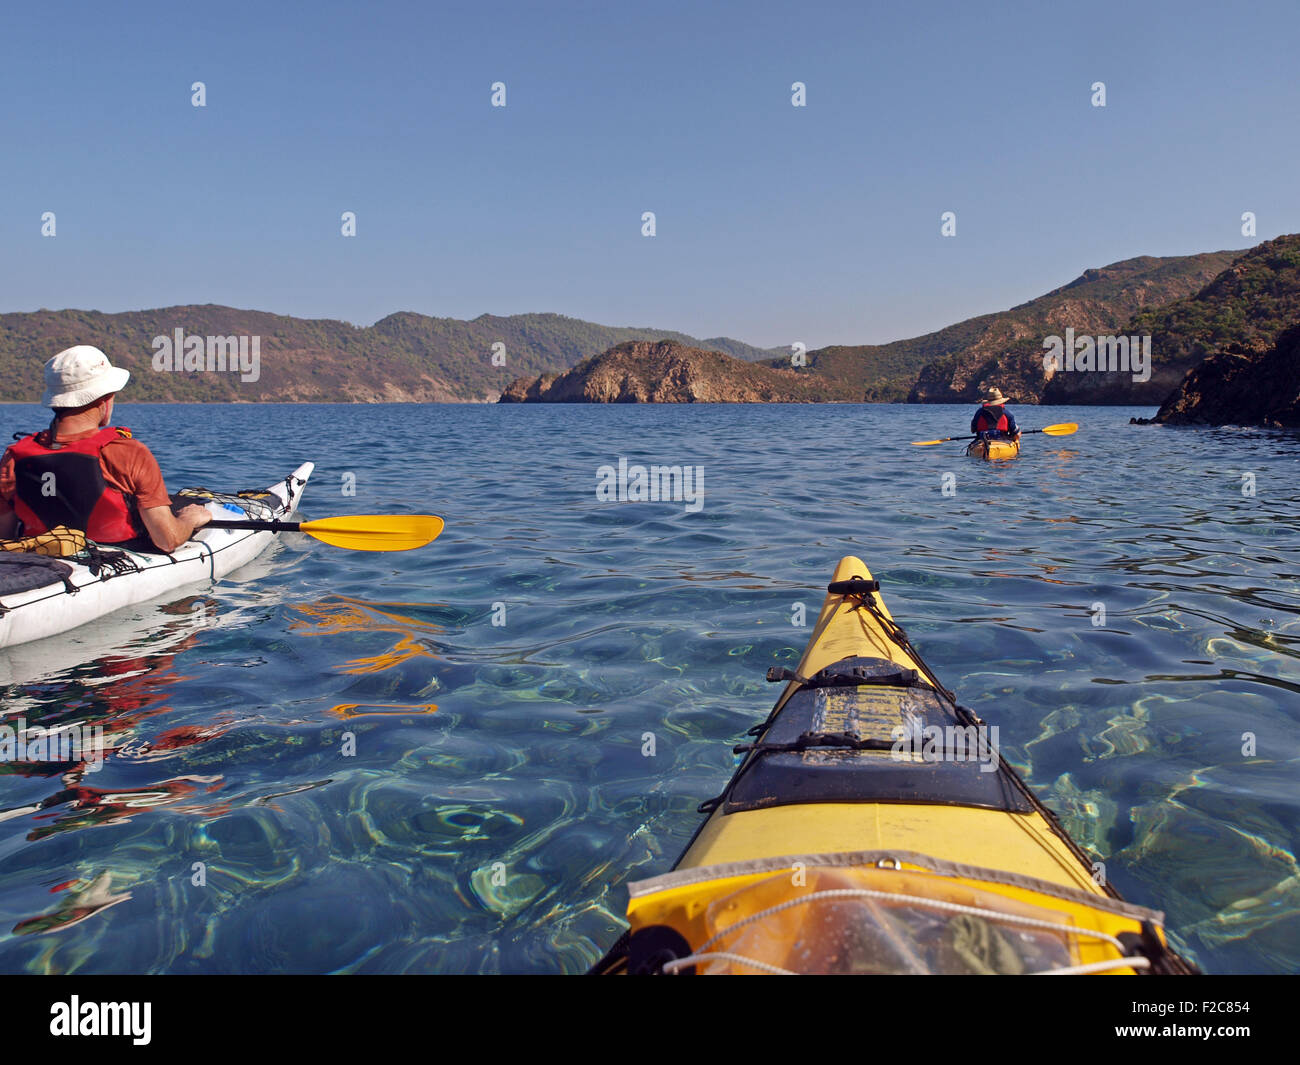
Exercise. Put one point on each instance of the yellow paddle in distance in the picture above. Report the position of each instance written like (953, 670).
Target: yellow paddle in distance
(357, 532)
(1064, 429)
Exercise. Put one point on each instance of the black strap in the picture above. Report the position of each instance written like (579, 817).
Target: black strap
(841, 741)
(855, 678)
(853, 586)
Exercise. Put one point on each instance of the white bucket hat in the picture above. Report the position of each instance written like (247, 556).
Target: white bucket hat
(79, 376)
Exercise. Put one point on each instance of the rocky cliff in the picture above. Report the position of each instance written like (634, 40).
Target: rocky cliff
(1241, 386)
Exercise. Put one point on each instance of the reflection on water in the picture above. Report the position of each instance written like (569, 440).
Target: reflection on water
(456, 738)
(365, 709)
(340, 614)
(83, 899)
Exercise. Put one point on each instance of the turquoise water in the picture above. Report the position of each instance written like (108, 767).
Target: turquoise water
(497, 798)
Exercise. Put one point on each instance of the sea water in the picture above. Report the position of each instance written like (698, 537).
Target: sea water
(453, 759)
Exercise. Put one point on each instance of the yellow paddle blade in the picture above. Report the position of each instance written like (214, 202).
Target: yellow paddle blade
(931, 443)
(375, 532)
(1064, 429)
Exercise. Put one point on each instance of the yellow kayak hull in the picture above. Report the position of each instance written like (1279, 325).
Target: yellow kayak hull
(828, 854)
(994, 450)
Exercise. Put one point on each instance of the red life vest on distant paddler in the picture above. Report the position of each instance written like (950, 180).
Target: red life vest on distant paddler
(992, 418)
(77, 495)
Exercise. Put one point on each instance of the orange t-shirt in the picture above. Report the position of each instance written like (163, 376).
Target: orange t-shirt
(128, 466)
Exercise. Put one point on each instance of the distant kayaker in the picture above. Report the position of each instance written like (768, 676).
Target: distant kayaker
(993, 420)
(85, 474)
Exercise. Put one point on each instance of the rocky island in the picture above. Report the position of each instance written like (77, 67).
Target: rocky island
(669, 372)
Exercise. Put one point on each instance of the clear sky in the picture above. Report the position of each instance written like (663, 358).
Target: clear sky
(775, 224)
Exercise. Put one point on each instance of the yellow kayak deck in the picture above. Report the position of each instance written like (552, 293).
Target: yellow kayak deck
(1024, 842)
(874, 827)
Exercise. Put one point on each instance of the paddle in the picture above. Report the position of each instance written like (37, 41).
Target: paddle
(359, 532)
(1064, 429)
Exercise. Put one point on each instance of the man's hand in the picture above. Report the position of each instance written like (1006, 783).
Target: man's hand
(195, 516)
(168, 531)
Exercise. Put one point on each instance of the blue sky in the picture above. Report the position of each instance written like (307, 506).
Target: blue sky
(775, 224)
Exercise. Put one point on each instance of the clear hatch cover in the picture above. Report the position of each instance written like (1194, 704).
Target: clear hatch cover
(847, 921)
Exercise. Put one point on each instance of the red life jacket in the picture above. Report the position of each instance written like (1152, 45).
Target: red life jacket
(77, 495)
(992, 418)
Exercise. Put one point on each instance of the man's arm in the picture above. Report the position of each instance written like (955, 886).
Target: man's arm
(167, 530)
(8, 521)
(133, 468)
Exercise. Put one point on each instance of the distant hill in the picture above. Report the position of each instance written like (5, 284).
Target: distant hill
(667, 372)
(1243, 311)
(950, 365)
(404, 357)
(1190, 305)
(955, 364)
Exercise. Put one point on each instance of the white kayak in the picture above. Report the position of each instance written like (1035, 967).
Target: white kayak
(88, 588)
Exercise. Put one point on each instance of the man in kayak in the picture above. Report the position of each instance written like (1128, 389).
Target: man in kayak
(993, 421)
(85, 474)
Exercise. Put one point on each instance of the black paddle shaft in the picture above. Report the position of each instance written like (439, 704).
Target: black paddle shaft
(256, 526)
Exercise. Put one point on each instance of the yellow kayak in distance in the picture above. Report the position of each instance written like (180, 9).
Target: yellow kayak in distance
(994, 450)
(873, 827)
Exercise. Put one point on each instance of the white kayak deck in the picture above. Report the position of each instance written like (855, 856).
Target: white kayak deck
(99, 590)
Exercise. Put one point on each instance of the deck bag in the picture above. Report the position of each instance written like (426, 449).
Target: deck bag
(23, 572)
(59, 542)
